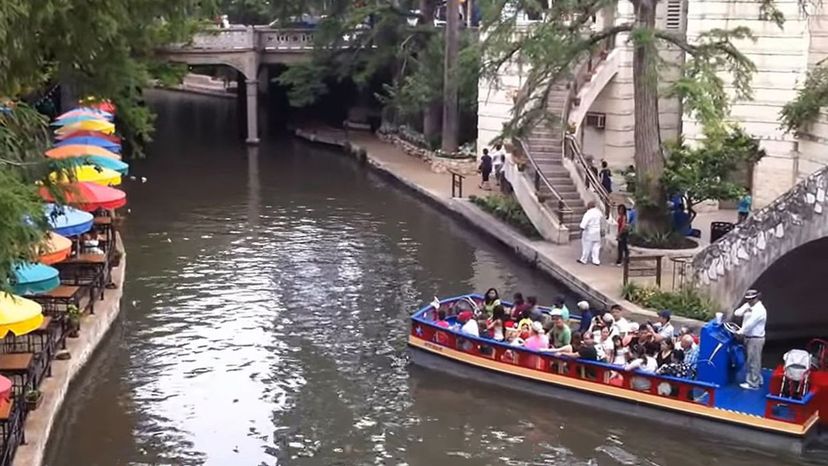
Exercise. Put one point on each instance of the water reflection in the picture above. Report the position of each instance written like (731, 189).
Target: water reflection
(264, 323)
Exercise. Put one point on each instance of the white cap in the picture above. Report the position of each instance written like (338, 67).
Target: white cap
(583, 305)
(537, 327)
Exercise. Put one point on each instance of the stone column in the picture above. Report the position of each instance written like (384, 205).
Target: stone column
(251, 89)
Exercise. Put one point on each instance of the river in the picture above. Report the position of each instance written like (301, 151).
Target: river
(264, 322)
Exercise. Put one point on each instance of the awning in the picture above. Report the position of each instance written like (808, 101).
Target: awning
(89, 196)
(92, 125)
(89, 173)
(71, 222)
(34, 279)
(18, 315)
(63, 151)
(54, 249)
(91, 141)
(93, 134)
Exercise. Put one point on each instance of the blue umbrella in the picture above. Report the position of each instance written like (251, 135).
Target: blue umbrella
(92, 141)
(103, 162)
(74, 119)
(34, 279)
(69, 222)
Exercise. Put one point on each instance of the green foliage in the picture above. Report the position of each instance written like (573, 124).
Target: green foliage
(798, 114)
(248, 11)
(661, 240)
(705, 172)
(687, 302)
(508, 209)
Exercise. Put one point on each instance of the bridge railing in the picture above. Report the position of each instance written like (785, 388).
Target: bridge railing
(234, 38)
(285, 39)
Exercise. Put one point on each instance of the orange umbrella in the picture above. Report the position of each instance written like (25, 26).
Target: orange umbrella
(79, 150)
(89, 196)
(54, 249)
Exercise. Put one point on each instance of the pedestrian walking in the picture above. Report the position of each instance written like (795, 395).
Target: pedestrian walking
(485, 169)
(591, 234)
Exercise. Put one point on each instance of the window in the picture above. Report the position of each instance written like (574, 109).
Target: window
(674, 8)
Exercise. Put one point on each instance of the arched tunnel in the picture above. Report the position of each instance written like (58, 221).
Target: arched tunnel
(792, 291)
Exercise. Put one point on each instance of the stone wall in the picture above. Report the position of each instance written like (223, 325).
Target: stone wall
(727, 268)
(462, 165)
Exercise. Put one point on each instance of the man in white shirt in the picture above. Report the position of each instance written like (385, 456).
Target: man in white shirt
(620, 322)
(470, 326)
(665, 328)
(591, 234)
(754, 316)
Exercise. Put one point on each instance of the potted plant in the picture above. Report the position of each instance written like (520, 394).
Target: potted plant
(33, 398)
(73, 314)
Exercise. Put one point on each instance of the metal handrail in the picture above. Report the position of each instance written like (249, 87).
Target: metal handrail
(572, 150)
(540, 180)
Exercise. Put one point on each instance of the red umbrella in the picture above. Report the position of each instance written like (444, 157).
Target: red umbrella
(88, 133)
(89, 196)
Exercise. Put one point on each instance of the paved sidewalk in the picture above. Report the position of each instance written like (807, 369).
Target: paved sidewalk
(598, 283)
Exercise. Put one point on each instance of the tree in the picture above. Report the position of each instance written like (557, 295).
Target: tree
(451, 119)
(107, 52)
(800, 113)
(704, 173)
(563, 38)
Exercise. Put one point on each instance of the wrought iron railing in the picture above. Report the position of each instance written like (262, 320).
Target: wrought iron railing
(572, 151)
(539, 180)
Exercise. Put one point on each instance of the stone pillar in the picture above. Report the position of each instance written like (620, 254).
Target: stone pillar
(251, 89)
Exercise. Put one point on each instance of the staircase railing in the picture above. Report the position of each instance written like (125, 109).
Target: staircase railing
(572, 151)
(539, 180)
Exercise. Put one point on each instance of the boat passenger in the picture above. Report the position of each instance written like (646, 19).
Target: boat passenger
(469, 323)
(665, 353)
(641, 361)
(441, 319)
(561, 334)
(677, 367)
(582, 347)
(537, 341)
(665, 329)
(690, 349)
(560, 303)
(534, 311)
(525, 329)
(494, 326)
(686, 331)
(620, 352)
(513, 337)
(490, 300)
(621, 323)
(607, 346)
(518, 306)
(586, 316)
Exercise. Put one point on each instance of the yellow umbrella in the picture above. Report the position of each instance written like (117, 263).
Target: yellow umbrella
(18, 315)
(102, 176)
(88, 125)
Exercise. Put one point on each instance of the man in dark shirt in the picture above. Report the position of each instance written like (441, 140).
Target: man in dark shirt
(587, 350)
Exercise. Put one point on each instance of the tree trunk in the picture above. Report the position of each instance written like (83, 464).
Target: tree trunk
(433, 112)
(649, 158)
(451, 117)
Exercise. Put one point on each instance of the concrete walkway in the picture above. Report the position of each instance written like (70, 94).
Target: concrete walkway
(599, 284)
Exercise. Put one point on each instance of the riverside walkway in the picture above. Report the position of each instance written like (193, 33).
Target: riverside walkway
(600, 284)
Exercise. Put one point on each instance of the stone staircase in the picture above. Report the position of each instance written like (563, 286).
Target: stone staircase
(545, 145)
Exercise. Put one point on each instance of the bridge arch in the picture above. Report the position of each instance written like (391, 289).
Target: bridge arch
(727, 268)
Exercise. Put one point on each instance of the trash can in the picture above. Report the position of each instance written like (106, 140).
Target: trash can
(719, 229)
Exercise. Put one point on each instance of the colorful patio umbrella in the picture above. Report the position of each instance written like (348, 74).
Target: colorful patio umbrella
(86, 111)
(90, 196)
(104, 162)
(69, 222)
(75, 119)
(54, 249)
(5, 389)
(87, 133)
(34, 279)
(102, 176)
(92, 125)
(91, 141)
(18, 315)
(79, 150)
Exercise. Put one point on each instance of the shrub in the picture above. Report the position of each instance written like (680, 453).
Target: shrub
(508, 209)
(686, 302)
(662, 240)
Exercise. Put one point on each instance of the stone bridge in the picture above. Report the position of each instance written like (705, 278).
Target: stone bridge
(727, 268)
(245, 48)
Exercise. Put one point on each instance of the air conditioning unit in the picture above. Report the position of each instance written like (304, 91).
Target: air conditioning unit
(596, 120)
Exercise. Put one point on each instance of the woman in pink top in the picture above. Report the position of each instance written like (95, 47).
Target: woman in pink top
(537, 340)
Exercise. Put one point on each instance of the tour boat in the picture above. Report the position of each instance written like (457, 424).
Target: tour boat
(771, 417)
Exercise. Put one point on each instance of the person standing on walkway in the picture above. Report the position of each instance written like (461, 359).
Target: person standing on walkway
(743, 209)
(623, 235)
(606, 177)
(485, 169)
(754, 317)
(591, 234)
(498, 161)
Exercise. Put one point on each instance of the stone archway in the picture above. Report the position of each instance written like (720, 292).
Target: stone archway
(727, 268)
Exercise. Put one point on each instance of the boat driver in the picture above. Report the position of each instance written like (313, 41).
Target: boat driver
(754, 316)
